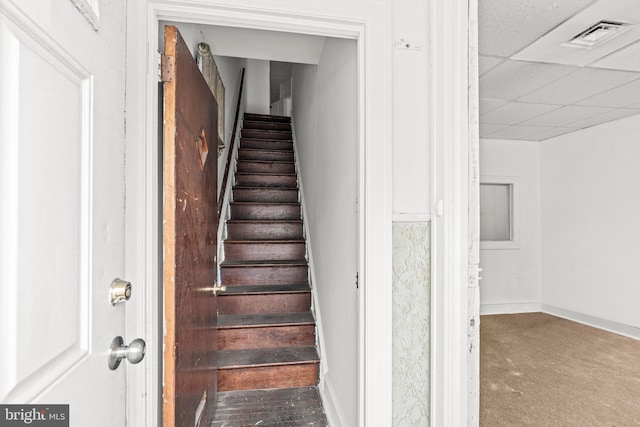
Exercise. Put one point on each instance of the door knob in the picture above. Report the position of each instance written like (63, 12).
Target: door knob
(133, 352)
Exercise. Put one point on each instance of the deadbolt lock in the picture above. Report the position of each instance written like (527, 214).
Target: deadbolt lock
(120, 291)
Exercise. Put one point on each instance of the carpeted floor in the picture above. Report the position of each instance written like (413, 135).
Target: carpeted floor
(540, 370)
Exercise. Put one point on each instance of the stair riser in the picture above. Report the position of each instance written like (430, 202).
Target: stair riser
(266, 337)
(252, 180)
(262, 125)
(265, 231)
(267, 118)
(258, 144)
(264, 303)
(262, 167)
(271, 195)
(278, 156)
(258, 211)
(271, 275)
(301, 375)
(272, 251)
(266, 134)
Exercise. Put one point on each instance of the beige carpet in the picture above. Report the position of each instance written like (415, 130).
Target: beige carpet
(540, 370)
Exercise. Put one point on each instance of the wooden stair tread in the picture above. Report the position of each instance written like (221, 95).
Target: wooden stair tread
(260, 150)
(267, 132)
(264, 221)
(265, 241)
(266, 117)
(232, 321)
(266, 263)
(233, 359)
(266, 173)
(267, 203)
(252, 138)
(295, 288)
(268, 162)
(264, 188)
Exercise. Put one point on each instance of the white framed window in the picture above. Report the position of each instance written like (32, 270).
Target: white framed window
(499, 213)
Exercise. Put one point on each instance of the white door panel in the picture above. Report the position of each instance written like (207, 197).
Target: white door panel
(61, 207)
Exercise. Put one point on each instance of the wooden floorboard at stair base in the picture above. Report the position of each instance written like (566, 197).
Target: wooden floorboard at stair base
(284, 407)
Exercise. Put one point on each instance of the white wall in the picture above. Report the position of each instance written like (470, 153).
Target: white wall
(230, 71)
(258, 96)
(411, 148)
(325, 117)
(511, 278)
(590, 222)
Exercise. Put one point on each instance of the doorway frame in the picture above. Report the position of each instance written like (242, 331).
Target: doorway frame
(372, 33)
(455, 321)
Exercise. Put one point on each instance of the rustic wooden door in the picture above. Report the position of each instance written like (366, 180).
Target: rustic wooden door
(190, 233)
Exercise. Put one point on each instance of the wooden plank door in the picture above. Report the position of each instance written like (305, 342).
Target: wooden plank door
(190, 233)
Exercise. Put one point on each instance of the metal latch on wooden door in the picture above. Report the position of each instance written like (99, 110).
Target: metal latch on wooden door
(215, 289)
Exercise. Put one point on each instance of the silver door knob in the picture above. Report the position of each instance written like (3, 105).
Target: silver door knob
(133, 352)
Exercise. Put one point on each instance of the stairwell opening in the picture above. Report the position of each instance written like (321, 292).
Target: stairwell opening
(322, 97)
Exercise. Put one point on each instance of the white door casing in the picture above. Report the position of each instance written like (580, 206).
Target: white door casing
(372, 32)
(61, 206)
(454, 264)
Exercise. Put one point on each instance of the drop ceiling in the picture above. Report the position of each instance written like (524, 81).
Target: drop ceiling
(533, 87)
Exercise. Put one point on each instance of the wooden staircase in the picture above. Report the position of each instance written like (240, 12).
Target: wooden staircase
(266, 330)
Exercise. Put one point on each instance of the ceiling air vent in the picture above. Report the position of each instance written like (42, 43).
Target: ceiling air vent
(597, 34)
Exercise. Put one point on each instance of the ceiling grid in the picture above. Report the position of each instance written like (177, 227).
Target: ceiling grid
(534, 87)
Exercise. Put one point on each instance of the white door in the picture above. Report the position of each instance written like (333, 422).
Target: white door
(62, 201)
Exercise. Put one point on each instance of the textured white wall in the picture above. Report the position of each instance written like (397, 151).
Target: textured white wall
(411, 323)
(590, 226)
(511, 278)
(257, 86)
(326, 121)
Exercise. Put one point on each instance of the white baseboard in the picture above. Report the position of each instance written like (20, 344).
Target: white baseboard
(596, 322)
(510, 308)
(331, 408)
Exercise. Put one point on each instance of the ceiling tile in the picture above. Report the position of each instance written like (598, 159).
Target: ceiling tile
(557, 131)
(616, 114)
(486, 63)
(516, 132)
(487, 129)
(627, 58)
(513, 79)
(507, 26)
(619, 97)
(515, 112)
(487, 105)
(551, 47)
(564, 115)
(582, 84)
